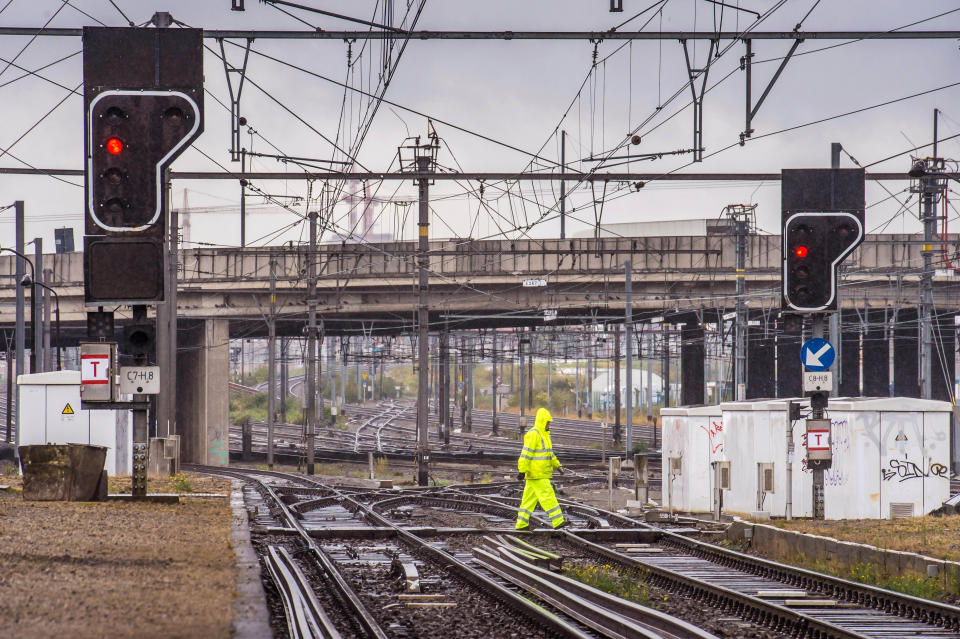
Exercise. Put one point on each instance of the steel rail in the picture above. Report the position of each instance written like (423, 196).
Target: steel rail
(344, 591)
(792, 622)
(903, 605)
(610, 34)
(356, 435)
(441, 502)
(522, 605)
(538, 614)
(587, 512)
(608, 614)
(934, 613)
(463, 447)
(306, 618)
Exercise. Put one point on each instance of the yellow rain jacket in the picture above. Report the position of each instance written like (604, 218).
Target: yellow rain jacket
(537, 459)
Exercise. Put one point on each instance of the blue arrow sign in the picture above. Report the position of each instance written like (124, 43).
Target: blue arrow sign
(817, 354)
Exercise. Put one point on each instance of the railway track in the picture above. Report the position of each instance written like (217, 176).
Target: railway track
(368, 548)
(806, 603)
(306, 618)
(466, 531)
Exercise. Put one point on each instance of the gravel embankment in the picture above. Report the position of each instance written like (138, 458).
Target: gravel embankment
(115, 569)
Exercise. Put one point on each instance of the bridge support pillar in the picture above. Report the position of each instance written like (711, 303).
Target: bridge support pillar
(203, 409)
(849, 354)
(944, 355)
(692, 356)
(876, 354)
(789, 367)
(761, 350)
(906, 373)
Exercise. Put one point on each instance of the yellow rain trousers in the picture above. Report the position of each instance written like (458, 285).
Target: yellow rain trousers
(537, 462)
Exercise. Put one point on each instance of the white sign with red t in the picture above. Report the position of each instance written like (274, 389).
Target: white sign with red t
(818, 440)
(96, 370)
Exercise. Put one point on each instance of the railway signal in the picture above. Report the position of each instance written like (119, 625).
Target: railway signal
(822, 214)
(132, 137)
(821, 225)
(143, 106)
(814, 246)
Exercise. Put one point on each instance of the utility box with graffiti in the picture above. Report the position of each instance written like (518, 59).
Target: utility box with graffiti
(694, 435)
(890, 457)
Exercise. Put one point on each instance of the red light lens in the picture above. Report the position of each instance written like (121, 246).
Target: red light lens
(800, 251)
(114, 146)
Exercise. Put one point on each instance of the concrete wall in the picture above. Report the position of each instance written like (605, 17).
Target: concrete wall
(203, 406)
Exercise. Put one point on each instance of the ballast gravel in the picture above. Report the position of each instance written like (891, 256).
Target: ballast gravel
(116, 569)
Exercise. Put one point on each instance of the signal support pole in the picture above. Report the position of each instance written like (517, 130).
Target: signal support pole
(628, 334)
(740, 359)
(617, 435)
(36, 310)
(563, 185)
(467, 407)
(444, 374)
(141, 440)
(523, 386)
(311, 381)
(20, 337)
(272, 362)
(929, 187)
(817, 413)
(494, 424)
(423, 321)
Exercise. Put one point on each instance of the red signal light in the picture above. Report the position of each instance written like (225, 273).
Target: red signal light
(114, 146)
(800, 251)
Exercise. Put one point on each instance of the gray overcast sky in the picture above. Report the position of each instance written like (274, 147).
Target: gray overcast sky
(517, 92)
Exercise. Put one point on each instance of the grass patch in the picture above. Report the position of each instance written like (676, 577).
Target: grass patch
(872, 575)
(626, 585)
(640, 447)
(931, 536)
(244, 405)
(181, 483)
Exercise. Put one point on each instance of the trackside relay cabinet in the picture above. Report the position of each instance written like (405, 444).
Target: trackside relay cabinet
(51, 413)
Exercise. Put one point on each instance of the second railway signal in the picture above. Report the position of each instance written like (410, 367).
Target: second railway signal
(814, 246)
(822, 223)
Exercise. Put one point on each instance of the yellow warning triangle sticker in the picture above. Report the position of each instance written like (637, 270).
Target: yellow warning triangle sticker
(67, 410)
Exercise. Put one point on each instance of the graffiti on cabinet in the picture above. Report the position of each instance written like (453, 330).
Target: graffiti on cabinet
(715, 435)
(905, 470)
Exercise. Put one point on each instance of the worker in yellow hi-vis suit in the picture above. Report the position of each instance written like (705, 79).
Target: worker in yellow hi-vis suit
(536, 464)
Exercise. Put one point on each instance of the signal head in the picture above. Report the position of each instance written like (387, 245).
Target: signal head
(114, 146)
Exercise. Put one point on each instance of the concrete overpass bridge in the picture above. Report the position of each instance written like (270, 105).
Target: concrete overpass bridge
(364, 287)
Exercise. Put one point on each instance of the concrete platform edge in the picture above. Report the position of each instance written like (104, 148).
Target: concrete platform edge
(251, 619)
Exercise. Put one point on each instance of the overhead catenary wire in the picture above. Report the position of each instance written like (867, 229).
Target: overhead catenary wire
(63, 3)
